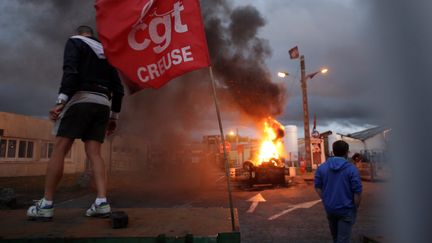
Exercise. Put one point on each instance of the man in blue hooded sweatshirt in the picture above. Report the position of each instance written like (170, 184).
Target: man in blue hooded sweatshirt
(338, 184)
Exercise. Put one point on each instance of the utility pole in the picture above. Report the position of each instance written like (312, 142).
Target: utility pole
(303, 81)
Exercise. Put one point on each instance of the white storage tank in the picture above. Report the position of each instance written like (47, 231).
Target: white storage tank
(290, 143)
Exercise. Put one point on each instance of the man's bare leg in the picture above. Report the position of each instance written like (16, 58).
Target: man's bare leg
(93, 151)
(101, 207)
(55, 165)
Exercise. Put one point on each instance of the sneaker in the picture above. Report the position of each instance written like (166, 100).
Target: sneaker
(40, 213)
(103, 210)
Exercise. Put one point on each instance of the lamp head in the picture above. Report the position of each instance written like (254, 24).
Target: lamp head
(283, 74)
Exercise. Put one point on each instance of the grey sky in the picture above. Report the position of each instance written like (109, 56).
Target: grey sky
(332, 33)
(31, 42)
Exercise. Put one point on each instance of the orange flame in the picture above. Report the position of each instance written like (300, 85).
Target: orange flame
(271, 144)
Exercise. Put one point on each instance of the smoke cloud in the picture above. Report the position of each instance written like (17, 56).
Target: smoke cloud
(238, 58)
(31, 46)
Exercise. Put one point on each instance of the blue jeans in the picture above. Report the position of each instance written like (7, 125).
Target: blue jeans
(340, 226)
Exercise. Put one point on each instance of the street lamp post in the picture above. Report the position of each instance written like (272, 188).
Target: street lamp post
(303, 82)
(308, 155)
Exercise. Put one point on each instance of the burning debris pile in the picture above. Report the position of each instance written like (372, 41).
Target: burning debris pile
(268, 166)
(271, 147)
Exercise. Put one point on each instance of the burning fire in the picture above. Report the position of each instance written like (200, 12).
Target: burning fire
(271, 144)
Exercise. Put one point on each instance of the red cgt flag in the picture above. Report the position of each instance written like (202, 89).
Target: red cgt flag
(152, 41)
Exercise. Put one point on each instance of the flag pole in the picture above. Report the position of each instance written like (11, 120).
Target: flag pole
(224, 148)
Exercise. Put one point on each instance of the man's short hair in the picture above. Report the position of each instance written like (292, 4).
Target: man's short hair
(84, 29)
(340, 148)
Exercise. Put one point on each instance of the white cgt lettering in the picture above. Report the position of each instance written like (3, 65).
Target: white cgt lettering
(132, 40)
(165, 37)
(163, 40)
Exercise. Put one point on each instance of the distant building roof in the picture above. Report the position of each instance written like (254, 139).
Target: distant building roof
(368, 133)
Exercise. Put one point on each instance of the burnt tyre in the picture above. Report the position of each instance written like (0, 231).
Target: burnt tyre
(248, 166)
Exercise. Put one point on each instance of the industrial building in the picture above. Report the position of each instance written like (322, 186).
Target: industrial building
(26, 144)
(372, 143)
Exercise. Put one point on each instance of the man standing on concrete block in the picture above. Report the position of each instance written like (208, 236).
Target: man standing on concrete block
(90, 88)
(338, 184)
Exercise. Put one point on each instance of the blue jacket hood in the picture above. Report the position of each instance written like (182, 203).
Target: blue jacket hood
(337, 163)
(338, 180)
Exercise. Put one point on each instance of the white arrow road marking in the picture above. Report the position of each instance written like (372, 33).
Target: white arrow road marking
(220, 178)
(255, 200)
(294, 207)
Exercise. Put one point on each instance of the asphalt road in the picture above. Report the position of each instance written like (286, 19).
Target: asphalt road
(288, 214)
(293, 215)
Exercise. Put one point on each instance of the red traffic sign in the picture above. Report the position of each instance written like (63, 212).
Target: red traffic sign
(227, 147)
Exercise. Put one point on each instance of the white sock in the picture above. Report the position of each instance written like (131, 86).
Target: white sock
(100, 200)
(46, 203)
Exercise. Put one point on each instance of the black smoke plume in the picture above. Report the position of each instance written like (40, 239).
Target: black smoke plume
(238, 58)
